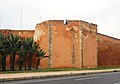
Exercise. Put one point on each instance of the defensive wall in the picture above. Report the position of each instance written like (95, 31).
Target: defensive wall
(73, 43)
(68, 44)
(108, 51)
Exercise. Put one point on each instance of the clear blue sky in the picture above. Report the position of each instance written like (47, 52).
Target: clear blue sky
(104, 13)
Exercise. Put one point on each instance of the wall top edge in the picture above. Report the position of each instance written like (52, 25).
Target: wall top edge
(108, 36)
(81, 21)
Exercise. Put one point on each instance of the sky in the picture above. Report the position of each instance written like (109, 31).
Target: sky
(104, 13)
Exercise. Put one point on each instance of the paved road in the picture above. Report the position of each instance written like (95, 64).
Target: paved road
(103, 78)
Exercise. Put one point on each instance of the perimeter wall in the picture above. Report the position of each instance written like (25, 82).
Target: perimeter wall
(108, 51)
(68, 44)
(73, 43)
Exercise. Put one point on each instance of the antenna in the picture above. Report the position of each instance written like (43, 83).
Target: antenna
(0, 21)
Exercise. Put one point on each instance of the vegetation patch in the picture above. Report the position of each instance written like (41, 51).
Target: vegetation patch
(56, 69)
(24, 48)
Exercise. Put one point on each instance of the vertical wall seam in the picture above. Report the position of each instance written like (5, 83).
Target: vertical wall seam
(50, 44)
(81, 45)
(97, 39)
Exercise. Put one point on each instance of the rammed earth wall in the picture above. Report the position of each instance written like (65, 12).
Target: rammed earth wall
(73, 43)
(108, 51)
(68, 45)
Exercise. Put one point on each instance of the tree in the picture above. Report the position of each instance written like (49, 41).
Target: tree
(14, 46)
(31, 48)
(3, 50)
(40, 53)
(21, 54)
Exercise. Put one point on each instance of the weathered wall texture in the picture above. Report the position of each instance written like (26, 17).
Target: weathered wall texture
(61, 41)
(89, 45)
(23, 33)
(74, 44)
(41, 37)
(67, 45)
(108, 51)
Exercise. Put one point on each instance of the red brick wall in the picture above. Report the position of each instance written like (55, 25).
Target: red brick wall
(108, 51)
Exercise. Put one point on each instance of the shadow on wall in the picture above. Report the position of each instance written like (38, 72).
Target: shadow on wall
(108, 51)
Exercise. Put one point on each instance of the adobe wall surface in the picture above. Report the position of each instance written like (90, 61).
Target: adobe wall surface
(89, 45)
(67, 44)
(61, 41)
(41, 37)
(22, 33)
(74, 44)
(108, 51)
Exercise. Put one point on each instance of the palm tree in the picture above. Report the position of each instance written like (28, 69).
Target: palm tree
(22, 54)
(0, 61)
(3, 50)
(40, 53)
(31, 47)
(14, 46)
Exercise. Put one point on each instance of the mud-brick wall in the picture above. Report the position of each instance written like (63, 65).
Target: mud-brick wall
(65, 44)
(60, 41)
(73, 44)
(89, 46)
(108, 51)
(41, 37)
(22, 33)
